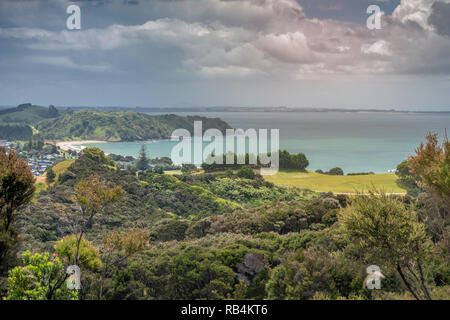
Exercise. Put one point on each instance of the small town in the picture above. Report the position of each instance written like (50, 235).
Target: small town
(39, 155)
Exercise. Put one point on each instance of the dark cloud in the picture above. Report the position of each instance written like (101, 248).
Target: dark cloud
(216, 51)
(440, 18)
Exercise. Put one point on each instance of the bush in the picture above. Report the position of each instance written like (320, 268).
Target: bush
(41, 278)
(361, 173)
(89, 254)
(97, 155)
(246, 173)
(169, 229)
(336, 172)
(293, 161)
(188, 167)
(50, 177)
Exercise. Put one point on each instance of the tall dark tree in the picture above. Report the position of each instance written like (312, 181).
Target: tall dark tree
(50, 176)
(52, 111)
(16, 185)
(16, 189)
(432, 164)
(142, 163)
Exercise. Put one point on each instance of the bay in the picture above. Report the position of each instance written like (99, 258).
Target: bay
(354, 141)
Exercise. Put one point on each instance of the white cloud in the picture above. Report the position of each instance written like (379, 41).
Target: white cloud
(258, 38)
(287, 47)
(380, 47)
(66, 62)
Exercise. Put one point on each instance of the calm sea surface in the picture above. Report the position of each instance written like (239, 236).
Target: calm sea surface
(356, 142)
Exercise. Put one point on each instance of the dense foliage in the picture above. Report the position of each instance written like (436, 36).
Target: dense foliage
(232, 235)
(41, 277)
(286, 160)
(293, 161)
(339, 172)
(120, 125)
(16, 190)
(27, 114)
(407, 179)
(15, 132)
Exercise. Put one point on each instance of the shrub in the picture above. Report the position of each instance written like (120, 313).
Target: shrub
(336, 172)
(246, 173)
(42, 277)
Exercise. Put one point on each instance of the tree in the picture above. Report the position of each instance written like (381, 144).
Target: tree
(16, 186)
(142, 163)
(50, 176)
(42, 277)
(52, 111)
(292, 161)
(117, 248)
(97, 155)
(336, 172)
(16, 190)
(88, 253)
(387, 232)
(432, 164)
(407, 179)
(92, 196)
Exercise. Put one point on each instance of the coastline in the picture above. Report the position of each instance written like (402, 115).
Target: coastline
(75, 145)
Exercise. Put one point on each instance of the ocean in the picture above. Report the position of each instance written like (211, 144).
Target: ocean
(356, 142)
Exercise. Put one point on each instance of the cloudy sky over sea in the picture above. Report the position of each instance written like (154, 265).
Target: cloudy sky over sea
(157, 53)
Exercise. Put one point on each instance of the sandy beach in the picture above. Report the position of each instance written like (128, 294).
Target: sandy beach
(75, 145)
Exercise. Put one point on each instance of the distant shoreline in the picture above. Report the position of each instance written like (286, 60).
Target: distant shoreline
(227, 109)
(75, 145)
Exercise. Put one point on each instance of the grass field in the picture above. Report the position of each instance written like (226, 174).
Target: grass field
(173, 172)
(336, 184)
(61, 167)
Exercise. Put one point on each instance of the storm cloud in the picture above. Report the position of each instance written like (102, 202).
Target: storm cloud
(166, 45)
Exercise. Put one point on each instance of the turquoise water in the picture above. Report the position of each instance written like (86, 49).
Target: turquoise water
(356, 142)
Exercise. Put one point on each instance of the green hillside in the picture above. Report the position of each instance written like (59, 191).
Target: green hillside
(27, 114)
(15, 131)
(119, 125)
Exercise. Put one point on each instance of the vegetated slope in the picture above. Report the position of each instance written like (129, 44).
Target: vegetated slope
(248, 192)
(147, 198)
(28, 114)
(15, 131)
(120, 125)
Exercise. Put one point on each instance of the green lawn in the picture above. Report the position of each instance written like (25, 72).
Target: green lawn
(337, 184)
(61, 167)
(172, 172)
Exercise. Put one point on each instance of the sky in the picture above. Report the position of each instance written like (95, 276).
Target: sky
(165, 53)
